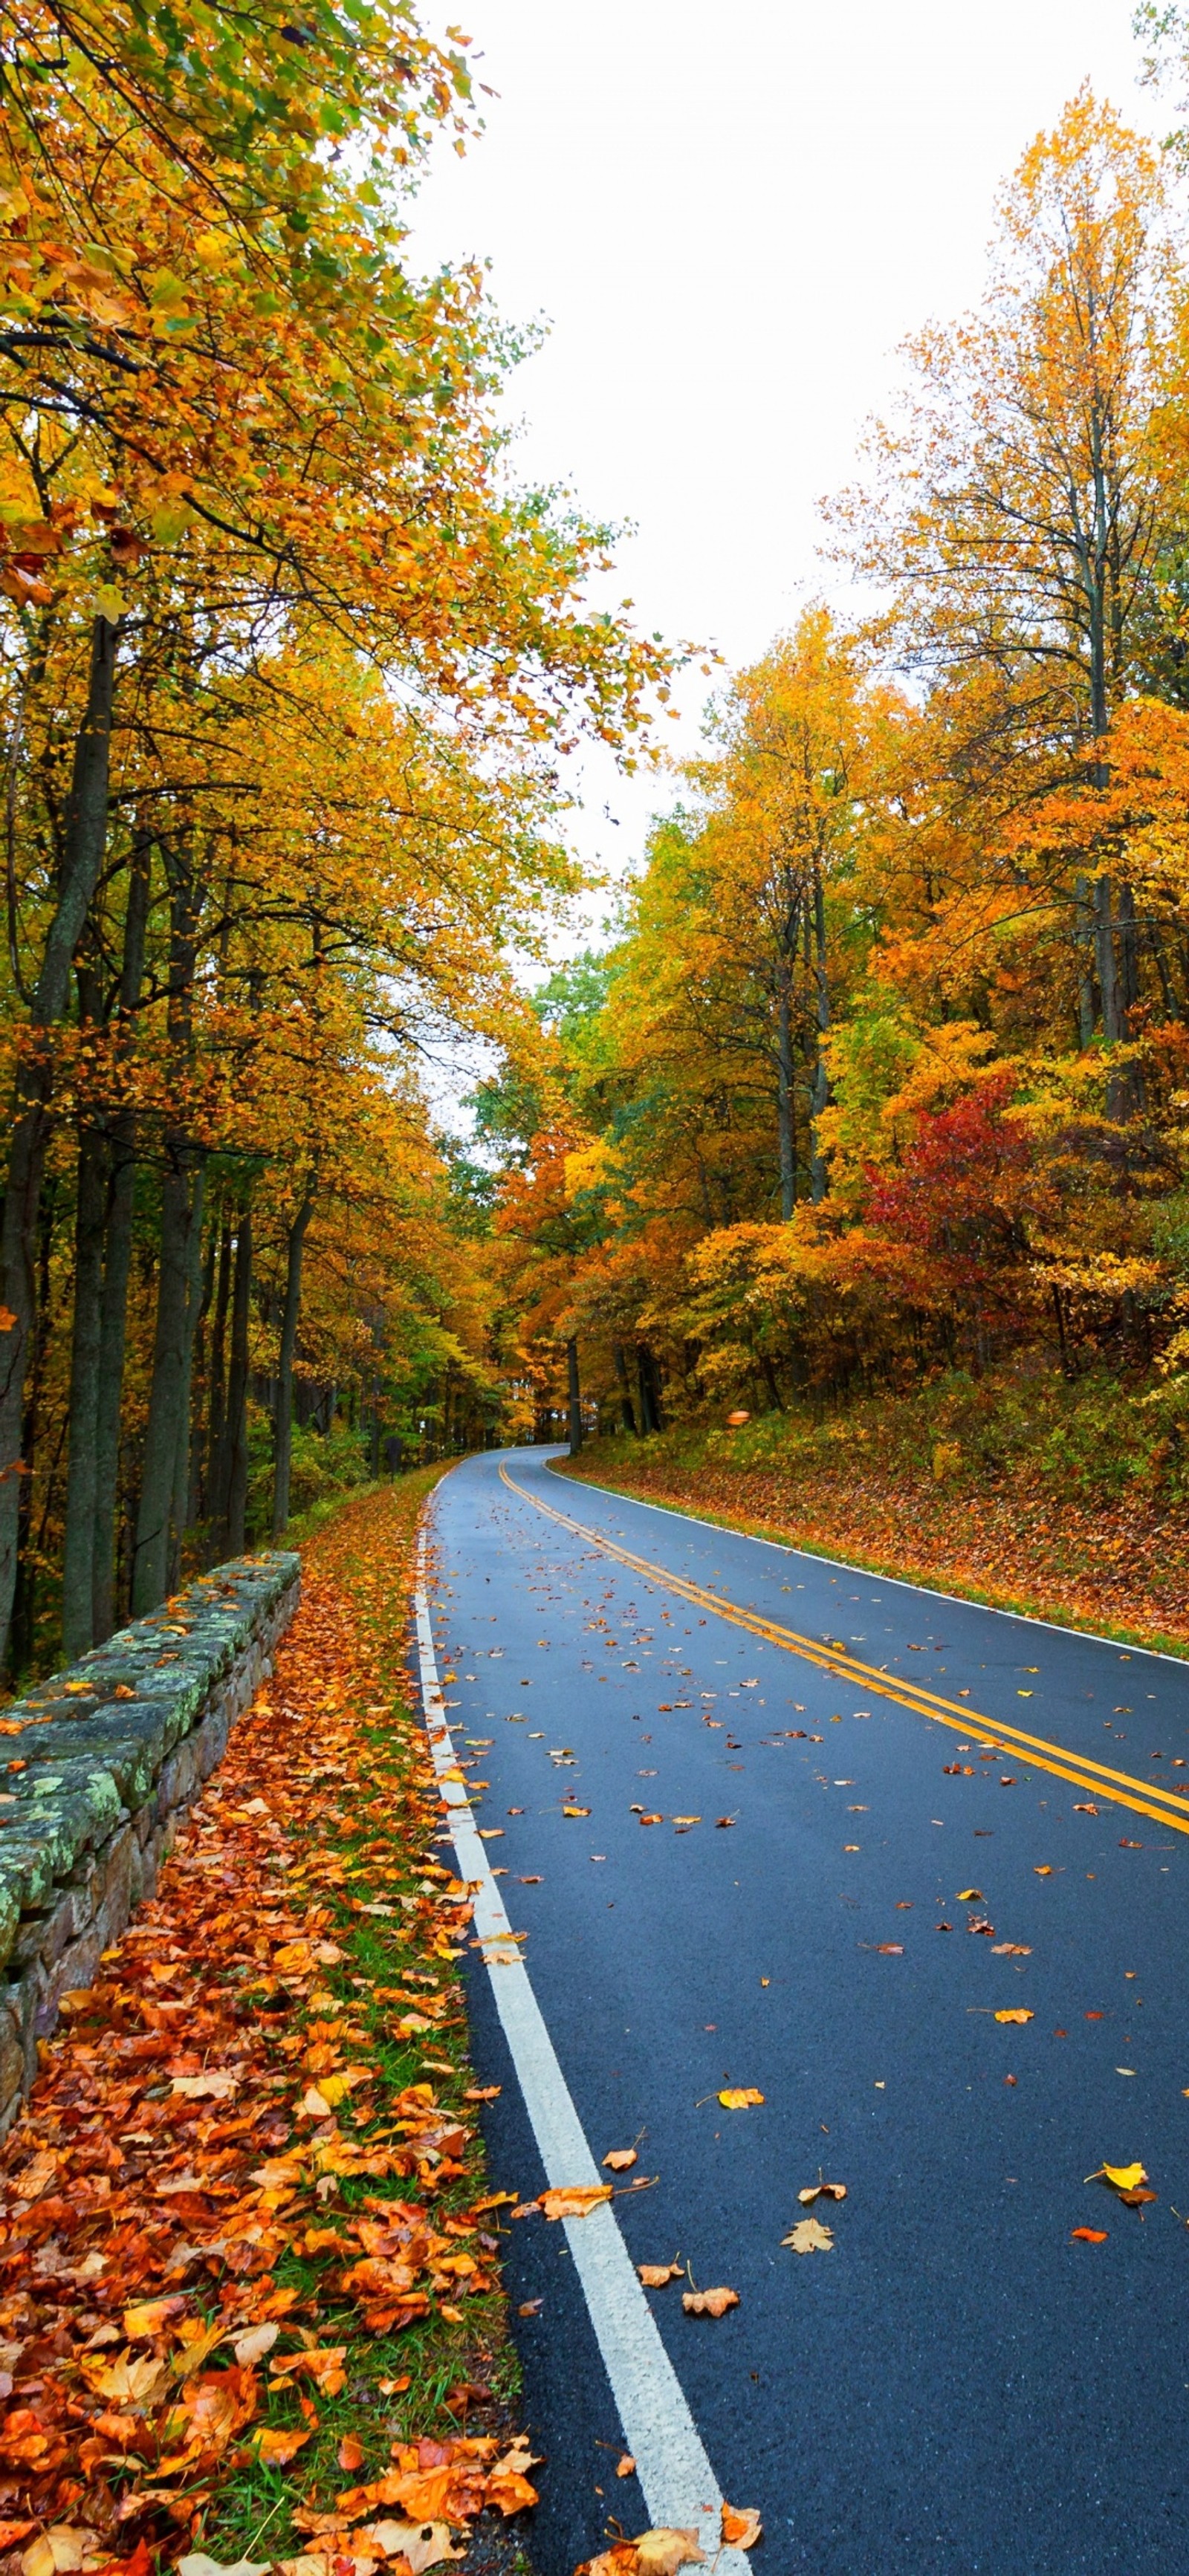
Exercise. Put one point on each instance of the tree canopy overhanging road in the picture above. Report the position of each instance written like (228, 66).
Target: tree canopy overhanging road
(764, 1847)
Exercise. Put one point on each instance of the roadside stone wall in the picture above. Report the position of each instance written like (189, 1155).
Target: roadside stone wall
(95, 1767)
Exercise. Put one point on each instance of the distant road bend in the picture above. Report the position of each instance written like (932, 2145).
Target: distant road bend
(907, 1881)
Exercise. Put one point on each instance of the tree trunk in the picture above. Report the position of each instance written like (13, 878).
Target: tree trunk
(1104, 959)
(625, 1397)
(819, 1088)
(181, 1217)
(117, 1260)
(237, 1390)
(217, 1468)
(283, 1462)
(1084, 938)
(786, 1110)
(181, 1465)
(575, 1397)
(82, 856)
(78, 1553)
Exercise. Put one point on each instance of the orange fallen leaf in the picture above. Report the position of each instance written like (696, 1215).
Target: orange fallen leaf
(350, 2452)
(820, 2190)
(741, 2526)
(1015, 2012)
(1044, 1869)
(575, 1811)
(655, 2275)
(626, 2467)
(573, 2200)
(277, 2448)
(1088, 2235)
(620, 2158)
(709, 2303)
(740, 2097)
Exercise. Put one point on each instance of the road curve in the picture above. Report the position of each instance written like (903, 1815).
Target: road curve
(960, 2386)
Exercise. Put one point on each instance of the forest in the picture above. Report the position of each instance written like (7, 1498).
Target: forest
(876, 1089)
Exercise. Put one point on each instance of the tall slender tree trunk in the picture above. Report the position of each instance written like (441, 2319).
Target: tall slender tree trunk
(1084, 939)
(78, 1553)
(819, 1088)
(181, 1217)
(625, 1392)
(786, 1102)
(575, 1397)
(180, 1510)
(283, 1462)
(83, 847)
(216, 1450)
(117, 1261)
(237, 1390)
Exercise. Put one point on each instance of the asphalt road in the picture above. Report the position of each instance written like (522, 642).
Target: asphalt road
(958, 2385)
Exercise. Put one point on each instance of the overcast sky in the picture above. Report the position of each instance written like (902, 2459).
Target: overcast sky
(729, 219)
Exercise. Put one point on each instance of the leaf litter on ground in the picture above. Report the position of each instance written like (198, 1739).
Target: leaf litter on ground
(236, 2213)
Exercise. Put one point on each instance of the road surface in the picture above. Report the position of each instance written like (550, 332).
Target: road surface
(881, 1817)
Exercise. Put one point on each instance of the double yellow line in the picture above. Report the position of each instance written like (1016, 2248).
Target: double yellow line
(1161, 1805)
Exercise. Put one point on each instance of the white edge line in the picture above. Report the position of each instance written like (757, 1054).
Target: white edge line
(678, 2483)
(903, 1583)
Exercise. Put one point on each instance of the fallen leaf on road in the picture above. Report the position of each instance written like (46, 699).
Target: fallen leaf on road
(1011, 1950)
(1137, 2199)
(1088, 2235)
(1015, 2014)
(625, 2468)
(655, 2275)
(724, 1820)
(741, 2526)
(662, 2552)
(529, 2307)
(651, 1820)
(573, 2200)
(575, 1811)
(619, 2159)
(709, 2303)
(740, 2097)
(820, 2191)
(809, 2237)
(1124, 2177)
(1044, 1868)
(1083, 1810)
(483, 2092)
(970, 1896)
(890, 1949)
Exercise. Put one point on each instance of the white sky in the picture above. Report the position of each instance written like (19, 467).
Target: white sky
(730, 217)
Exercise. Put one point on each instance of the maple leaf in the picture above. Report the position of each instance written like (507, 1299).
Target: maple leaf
(809, 2237)
(709, 2303)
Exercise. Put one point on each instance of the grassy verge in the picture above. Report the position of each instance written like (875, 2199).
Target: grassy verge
(1064, 1502)
(250, 2286)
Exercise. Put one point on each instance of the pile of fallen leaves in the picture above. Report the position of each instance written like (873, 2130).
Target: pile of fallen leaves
(244, 2252)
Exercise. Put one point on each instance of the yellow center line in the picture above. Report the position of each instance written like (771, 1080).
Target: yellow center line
(1120, 1787)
